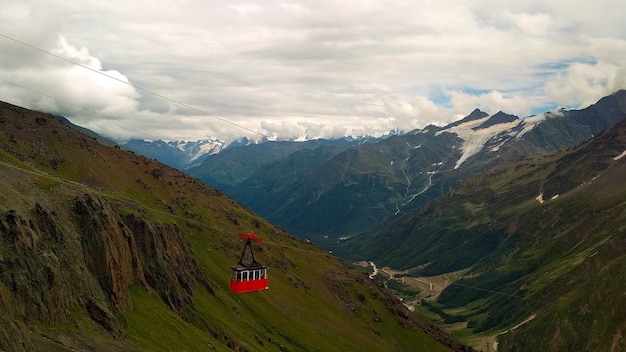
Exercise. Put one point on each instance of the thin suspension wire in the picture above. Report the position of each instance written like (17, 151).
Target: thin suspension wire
(76, 105)
(133, 85)
(124, 82)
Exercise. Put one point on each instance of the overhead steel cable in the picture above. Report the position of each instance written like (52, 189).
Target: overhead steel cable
(151, 92)
(77, 106)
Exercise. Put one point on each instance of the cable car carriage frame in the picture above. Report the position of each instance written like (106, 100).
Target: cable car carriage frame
(252, 276)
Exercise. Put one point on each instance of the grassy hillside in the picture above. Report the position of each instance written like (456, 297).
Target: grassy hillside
(103, 249)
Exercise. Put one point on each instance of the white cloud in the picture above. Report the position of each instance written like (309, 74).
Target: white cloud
(491, 102)
(73, 86)
(537, 24)
(318, 68)
(582, 84)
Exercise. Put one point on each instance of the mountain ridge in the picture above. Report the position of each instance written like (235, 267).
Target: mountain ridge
(351, 190)
(186, 154)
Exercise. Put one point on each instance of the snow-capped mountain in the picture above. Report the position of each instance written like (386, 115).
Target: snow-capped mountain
(178, 154)
(184, 155)
(479, 130)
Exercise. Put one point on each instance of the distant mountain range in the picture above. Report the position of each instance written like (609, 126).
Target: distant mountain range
(234, 165)
(324, 192)
(185, 154)
(177, 154)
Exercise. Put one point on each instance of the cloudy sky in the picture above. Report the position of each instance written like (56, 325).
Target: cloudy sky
(192, 69)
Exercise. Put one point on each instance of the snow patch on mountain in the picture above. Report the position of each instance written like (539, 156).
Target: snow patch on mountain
(474, 140)
(540, 198)
(529, 123)
(620, 156)
(475, 136)
(196, 149)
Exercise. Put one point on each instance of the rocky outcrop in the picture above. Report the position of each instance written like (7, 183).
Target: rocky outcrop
(86, 257)
(168, 265)
(109, 249)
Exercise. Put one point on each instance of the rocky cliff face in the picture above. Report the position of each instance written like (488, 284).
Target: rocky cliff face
(49, 266)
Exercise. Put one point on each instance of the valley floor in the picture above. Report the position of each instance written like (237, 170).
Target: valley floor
(412, 290)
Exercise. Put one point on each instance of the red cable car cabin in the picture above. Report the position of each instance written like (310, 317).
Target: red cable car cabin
(247, 277)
